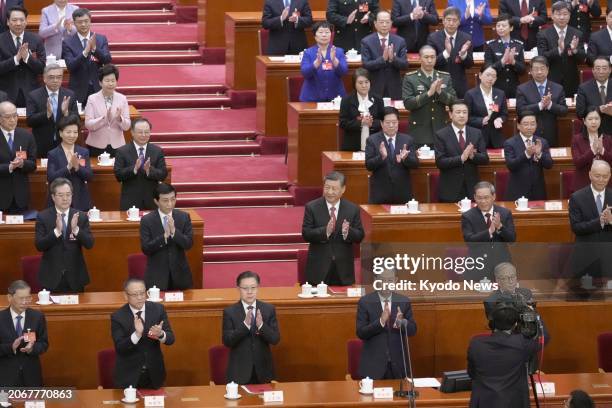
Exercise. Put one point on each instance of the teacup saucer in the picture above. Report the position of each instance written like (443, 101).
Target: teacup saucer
(323, 296)
(303, 296)
(130, 401)
(2, 222)
(112, 163)
(523, 209)
(38, 302)
(95, 220)
(133, 219)
(232, 398)
(155, 300)
(366, 393)
(5, 404)
(415, 212)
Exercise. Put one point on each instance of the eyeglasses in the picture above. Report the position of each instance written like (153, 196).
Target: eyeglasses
(137, 294)
(248, 288)
(63, 195)
(10, 115)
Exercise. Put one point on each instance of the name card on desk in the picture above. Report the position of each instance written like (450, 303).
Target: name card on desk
(398, 209)
(273, 396)
(173, 296)
(325, 106)
(383, 393)
(21, 112)
(154, 401)
(354, 292)
(545, 388)
(35, 404)
(14, 219)
(399, 105)
(359, 156)
(277, 59)
(66, 299)
(478, 56)
(530, 54)
(553, 206)
(292, 58)
(558, 152)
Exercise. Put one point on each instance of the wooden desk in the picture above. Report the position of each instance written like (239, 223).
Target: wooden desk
(115, 239)
(344, 394)
(303, 354)
(357, 175)
(442, 223)
(105, 190)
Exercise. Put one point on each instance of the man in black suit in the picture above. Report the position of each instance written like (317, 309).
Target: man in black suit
(249, 328)
(379, 317)
(527, 155)
(597, 93)
(496, 363)
(46, 106)
(506, 55)
(600, 42)
(582, 11)
(165, 235)
(85, 52)
(138, 328)
(139, 167)
(544, 97)
(17, 161)
(460, 149)
(527, 18)
(7, 5)
(508, 290)
(22, 57)
(61, 233)
(562, 45)
(23, 338)
(389, 156)
(352, 21)
(487, 229)
(383, 54)
(453, 49)
(412, 19)
(331, 226)
(286, 21)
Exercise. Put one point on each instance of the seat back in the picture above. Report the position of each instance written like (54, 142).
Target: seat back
(559, 260)
(29, 271)
(586, 74)
(501, 183)
(106, 366)
(302, 257)
(217, 359)
(576, 126)
(339, 136)
(604, 351)
(136, 265)
(567, 183)
(353, 350)
(263, 36)
(432, 186)
(294, 87)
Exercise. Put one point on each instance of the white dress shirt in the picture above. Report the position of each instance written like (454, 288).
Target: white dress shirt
(382, 305)
(245, 306)
(135, 337)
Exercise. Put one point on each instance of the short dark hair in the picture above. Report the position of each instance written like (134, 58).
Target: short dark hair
(71, 119)
(452, 10)
(335, 176)
(486, 66)
(540, 59)
(504, 17)
(129, 281)
(163, 188)
(16, 8)
(360, 72)
(247, 275)
(16, 285)
(58, 182)
(457, 102)
(525, 113)
(580, 399)
(560, 5)
(504, 316)
(108, 69)
(320, 24)
(602, 57)
(390, 110)
(80, 12)
(140, 120)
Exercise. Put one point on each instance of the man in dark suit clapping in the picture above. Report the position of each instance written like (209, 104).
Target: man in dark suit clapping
(286, 21)
(412, 19)
(527, 18)
(352, 21)
(379, 316)
(460, 149)
(600, 43)
(23, 338)
(61, 233)
(139, 166)
(597, 93)
(543, 97)
(331, 226)
(138, 328)
(390, 156)
(383, 54)
(249, 328)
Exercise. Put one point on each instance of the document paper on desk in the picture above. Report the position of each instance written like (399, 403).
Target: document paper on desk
(426, 382)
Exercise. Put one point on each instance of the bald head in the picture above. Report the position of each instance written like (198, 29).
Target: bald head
(599, 174)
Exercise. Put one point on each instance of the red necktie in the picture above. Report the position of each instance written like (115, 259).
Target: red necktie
(461, 140)
(488, 215)
(383, 43)
(524, 27)
(333, 216)
(387, 309)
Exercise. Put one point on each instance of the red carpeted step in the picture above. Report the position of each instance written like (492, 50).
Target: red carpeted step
(160, 137)
(224, 148)
(235, 199)
(272, 274)
(166, 78)
(140, 90)
(252, 253)
(160, 34)
(126, 5)
(177, 57)
(147, 46)
(204, 120)
(178, 101)
(201, 187)
(134, 16)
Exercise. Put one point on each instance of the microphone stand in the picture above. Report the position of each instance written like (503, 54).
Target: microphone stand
(411, 394)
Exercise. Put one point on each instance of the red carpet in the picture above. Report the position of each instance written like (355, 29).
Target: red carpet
(172, 76)
(126, 5)
(229, 169)
(142, 33)
(187, 120)
(223, 275)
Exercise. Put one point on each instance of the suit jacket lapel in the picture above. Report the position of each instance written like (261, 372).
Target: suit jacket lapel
(8, 321)
(454, 138)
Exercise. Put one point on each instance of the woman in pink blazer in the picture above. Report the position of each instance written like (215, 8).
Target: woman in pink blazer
(107, 115)
(55, 25)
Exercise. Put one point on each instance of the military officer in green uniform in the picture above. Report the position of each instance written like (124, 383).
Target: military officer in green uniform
(352, 20)
(426, 94)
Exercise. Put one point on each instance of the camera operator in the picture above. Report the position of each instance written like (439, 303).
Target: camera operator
(498, 364)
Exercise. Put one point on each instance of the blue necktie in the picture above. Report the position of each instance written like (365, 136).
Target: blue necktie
(253, 321)
(84, 43)
(165, 222)
(287, 3)
(391, 148)
(599, 204)
(54, 103)
(18, 327)
(64, 227)
(10, 140)
(541, 89)
(141, 156)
